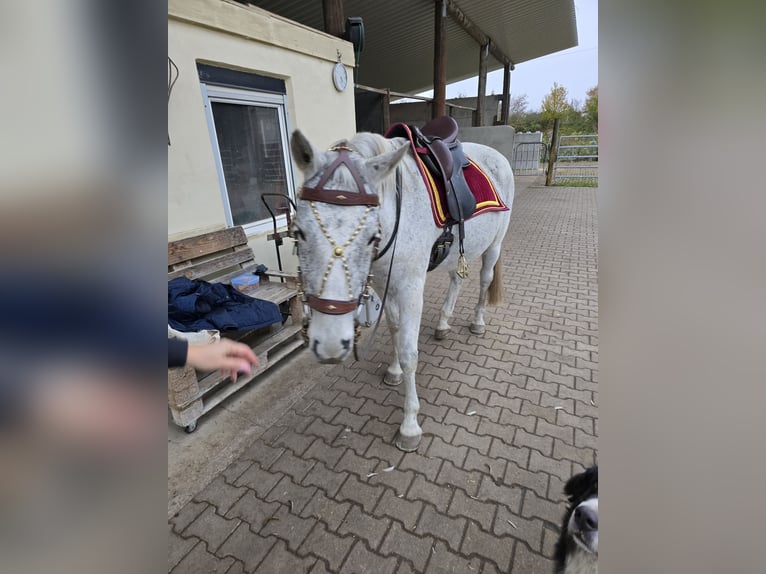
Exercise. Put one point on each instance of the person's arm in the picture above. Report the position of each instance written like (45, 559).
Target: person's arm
(226, 355)
(177, 352)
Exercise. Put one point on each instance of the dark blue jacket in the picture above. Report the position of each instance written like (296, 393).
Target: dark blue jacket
(196, 305)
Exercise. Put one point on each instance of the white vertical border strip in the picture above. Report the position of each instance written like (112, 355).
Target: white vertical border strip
(216, 154)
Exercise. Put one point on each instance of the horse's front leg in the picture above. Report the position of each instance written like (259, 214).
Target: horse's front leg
(449, 306)
(410, 308)
(393, 376)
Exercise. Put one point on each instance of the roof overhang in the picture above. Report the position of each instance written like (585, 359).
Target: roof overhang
(399, 35)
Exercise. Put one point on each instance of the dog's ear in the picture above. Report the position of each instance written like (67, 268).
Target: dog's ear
(582, 484)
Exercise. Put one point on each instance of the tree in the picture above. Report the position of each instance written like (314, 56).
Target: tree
(555, 104)
(517, 109)
(590, 109)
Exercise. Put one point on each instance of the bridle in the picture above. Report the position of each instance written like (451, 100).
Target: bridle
(318, 194)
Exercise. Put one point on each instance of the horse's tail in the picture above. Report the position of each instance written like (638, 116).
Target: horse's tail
(495, 292)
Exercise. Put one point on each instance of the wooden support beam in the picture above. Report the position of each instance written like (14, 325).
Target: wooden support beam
(439, 106)
(478, 118)
(506, 105)
(475, 32)
(334, 17)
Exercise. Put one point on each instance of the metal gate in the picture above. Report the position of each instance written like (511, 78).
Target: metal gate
(530, 158)
(577, 161)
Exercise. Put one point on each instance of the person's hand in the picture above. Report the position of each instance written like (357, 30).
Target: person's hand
(225, 355)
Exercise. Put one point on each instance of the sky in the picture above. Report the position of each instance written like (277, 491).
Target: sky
(576, 68)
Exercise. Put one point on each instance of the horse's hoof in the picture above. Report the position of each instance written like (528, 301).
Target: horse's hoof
(477, 329)
(392, 380)
(441, 334)
(407, 443)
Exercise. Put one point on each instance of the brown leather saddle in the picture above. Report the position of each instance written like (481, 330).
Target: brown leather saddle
(445, 159)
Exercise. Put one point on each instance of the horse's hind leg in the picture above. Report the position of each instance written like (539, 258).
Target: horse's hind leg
(449, 306)
(488, 260)
(393, 376)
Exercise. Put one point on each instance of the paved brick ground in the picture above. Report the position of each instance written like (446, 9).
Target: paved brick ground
(483, 493)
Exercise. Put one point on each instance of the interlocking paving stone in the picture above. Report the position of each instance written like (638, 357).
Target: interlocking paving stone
(544, 428)
(281, 561)
(178, 547)
(386, 452)
(320, 450)
(292, 465)
(428, 491)
(474, 509)
(186, 515)
(524, 560)
(496, 491)
(425, 465)
(325, 430)
(444, 561)
(349, 402)
(220, 494)
(259, 480)
(361, 524)
(519, 455)
(289, 527)
(535, 506)
(438, 429)
(246, 546)
(364, 494)
(291, 494)
(486, 545)
(549, 541)
(484, 464)
(362, 561)
(530, 530)
(404, 510)
(328, 480)
(328, 546)
(442, 526)
(446, 451)
(416, 549)
(445, 507)
(235, 470)
(560, 468)
(200, 561)
(457, 477)
(359, 465)
(475, 442)
(252, 510)
(211, 528)
(502, 431)
(326, 510)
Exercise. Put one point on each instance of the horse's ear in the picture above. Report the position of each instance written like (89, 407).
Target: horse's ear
(381, 165)
(304, 154)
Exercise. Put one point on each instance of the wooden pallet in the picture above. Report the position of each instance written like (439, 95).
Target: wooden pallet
(218, 257)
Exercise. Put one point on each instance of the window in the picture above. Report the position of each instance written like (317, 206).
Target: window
(248, 130)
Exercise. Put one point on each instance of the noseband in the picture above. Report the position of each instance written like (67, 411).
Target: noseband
(319, 194)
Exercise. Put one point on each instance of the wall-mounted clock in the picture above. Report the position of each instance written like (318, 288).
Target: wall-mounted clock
(339, 76)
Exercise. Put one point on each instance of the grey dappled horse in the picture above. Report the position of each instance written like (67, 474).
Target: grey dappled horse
(347, 212)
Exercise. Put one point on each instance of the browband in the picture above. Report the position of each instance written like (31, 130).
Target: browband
(338, 197)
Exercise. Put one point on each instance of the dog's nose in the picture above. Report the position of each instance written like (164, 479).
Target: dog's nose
(586, 518)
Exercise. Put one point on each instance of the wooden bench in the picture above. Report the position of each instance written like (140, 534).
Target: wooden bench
(218, 257)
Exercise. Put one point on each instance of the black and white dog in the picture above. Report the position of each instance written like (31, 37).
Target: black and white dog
(577, 547)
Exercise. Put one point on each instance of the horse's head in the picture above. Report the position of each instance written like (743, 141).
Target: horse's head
(338, 230)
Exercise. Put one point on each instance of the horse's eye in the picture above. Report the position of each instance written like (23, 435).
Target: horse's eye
(374, 239)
